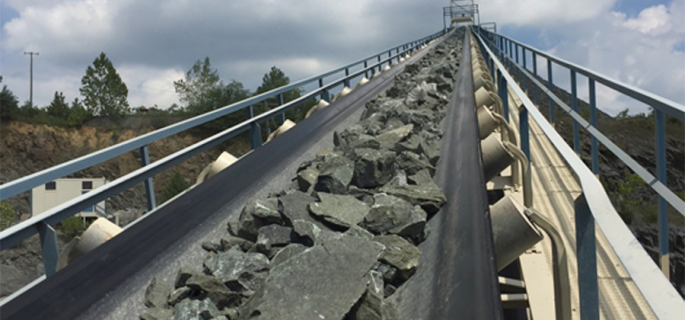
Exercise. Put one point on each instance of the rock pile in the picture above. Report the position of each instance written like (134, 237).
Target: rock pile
(345, 235)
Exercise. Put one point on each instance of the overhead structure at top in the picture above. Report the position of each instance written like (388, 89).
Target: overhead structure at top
(461, 12)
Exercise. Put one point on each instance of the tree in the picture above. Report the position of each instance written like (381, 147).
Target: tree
(58, 107)
(105, 94)
(200, 84)
(78, 114)
(7, 215)
(275, 78)
(9, 104)
(176, 185)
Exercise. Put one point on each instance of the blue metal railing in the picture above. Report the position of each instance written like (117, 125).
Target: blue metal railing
(594, 206)
(43, 223)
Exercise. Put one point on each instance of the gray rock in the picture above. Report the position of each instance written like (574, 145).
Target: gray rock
(272, 237)
(157, 294)
(431, 149)
(178, 295)
(183, 275)
(359, 232)
(399, 253)
(335, 175)
(421, 177)
(286, 253)
(229, 241)
(295, 207)
(258, 213)
(323, 282)
(230, 313)
(394, 215)
(364, 141)
(216, 290)
(211, 246)
(412, 163)
(240, 271)
(389, 139)
(195, 310)
(307, 178)
(157, 314)
(410, 144)
(340, 210)
(387, 271)
(373, 168)
(428, 195)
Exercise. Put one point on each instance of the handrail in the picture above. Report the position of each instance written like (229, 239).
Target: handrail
(36, 179)
(671, 108)
(660, 295)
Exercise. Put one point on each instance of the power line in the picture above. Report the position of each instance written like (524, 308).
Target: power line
(31, 53)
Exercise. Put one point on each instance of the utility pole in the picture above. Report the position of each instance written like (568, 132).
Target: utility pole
(31, 53)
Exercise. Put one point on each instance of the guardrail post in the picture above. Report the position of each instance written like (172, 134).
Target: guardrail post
(524, 131)
(523, 76)
(366, 72)
(346, 82)
(593, 122)
(502, 91)
(149, 186)
(256, 129)
(535, 73)
(574, 103)
(48, 247)
(660, 124)
(587, 260)
(550, 85)
(379, 65)
(280, 103)
(516, 50)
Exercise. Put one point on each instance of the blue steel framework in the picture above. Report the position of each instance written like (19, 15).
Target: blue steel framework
(43, 223)
(594, 206)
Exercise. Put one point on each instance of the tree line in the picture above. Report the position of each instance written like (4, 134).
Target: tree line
(104, 94)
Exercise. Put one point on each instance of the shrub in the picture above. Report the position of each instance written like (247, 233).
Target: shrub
(7, 215)
(72, 227)
(176, 185)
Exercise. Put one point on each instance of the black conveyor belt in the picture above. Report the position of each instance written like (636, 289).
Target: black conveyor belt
(457, 277)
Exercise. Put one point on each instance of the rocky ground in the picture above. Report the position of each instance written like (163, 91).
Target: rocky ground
(344, 237)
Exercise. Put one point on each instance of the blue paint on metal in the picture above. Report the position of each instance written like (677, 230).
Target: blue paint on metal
(516, 50)
(255, 136)
(149, 186)
(550, 84)
(660, 124)
(593, 122)
(574, 103)
(535, 72)
(280, 103)
(586, 250)
(48, 245)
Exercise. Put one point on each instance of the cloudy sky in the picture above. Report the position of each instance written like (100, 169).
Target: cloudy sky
(153, 42)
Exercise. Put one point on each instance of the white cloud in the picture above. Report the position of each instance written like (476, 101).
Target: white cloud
(652, 21)
(542, 13)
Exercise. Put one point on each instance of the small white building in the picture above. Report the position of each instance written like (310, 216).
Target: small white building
(54, 193)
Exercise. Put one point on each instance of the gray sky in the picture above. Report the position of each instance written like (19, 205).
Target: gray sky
(153, 42)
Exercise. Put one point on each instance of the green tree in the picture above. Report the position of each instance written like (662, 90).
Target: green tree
(105, 94)
(176, 185)
(275, 78)
(58, 107)
(7, 215)
(27, 111)
(199, 87)
(77, 114)
(9, 104)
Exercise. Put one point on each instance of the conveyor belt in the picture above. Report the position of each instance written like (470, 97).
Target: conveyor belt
(457, 277)
(109, 282)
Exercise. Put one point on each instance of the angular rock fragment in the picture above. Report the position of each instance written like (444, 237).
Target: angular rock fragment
(307, 178)
(240, 271)
(157, 314)
(335, 175)
(229, 241)
(364, 141)
(394, 215)
(428, 195)
(211, 246)
(258, 213)
(157, 294)
(286, 253)
(399, 253)
(340, 210)
(412, 163)
(359, 232)
(411, 144)
(183, 275)
(272, 237)
(178, 295)
(389, 139)
(215, 290)
(373, 168)
(295, 207)
(323, 282)
(431, 149)
(195, 310)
